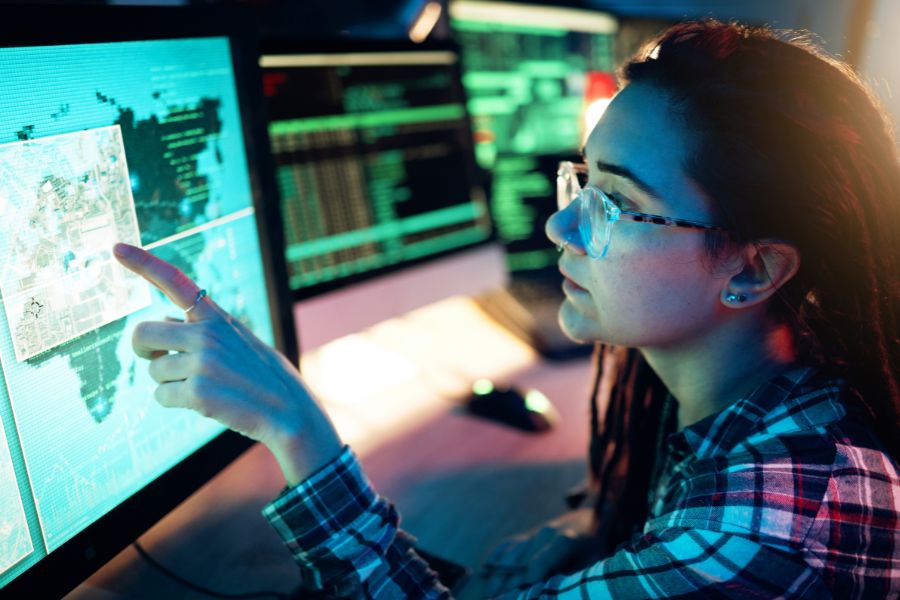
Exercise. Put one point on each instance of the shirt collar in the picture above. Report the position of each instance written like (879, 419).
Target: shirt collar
(793, 401)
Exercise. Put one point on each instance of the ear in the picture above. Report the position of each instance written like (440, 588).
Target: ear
(767, 265)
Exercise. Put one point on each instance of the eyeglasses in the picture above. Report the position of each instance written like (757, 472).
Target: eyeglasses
(597, 212)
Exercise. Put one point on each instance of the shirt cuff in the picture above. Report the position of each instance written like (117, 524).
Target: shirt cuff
(335, 525)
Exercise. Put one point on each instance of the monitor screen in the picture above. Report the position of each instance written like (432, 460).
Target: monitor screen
(374, 161)
(144, 141)
(382, 204)
(526, 70)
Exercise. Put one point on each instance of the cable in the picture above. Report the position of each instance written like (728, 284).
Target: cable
(198, 588)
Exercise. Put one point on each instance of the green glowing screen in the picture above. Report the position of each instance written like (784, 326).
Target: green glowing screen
(526, 85)
(374, 162)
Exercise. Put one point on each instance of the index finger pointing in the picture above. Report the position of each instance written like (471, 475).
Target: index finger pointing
(179, 288)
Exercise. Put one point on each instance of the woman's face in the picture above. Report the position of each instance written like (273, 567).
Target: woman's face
(655, 287)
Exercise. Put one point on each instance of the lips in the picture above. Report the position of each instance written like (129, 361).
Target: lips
(571, 286)
(571, 282)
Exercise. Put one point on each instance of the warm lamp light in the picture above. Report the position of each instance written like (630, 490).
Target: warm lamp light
(598, 92)
(426, 21)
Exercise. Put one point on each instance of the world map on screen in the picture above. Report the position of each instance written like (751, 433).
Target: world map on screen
(133, 141)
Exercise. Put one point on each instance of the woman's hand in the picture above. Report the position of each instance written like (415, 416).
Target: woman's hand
(215, 366)
(535, 556)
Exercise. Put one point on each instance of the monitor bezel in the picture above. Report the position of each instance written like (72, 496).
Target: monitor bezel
(478, 177)
(70, 564)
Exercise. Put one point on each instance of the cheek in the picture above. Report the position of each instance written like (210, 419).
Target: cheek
(655, 294)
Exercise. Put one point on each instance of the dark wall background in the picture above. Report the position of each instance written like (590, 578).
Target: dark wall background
(864, 32)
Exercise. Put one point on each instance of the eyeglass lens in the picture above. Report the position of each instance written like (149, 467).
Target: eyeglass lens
(593, 220)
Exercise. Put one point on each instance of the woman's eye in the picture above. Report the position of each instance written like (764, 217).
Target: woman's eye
(619, 200)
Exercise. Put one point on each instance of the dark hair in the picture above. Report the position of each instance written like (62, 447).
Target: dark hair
(789, 144)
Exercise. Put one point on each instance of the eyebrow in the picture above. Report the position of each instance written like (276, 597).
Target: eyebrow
(627, 174)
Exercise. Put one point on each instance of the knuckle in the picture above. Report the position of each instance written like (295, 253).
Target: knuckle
(154, 369)
(209, 337)
(205, 362)
(201, 400)
(201, 407)
(162, 396)
(200, 363)
(141, 330)
(195, 388)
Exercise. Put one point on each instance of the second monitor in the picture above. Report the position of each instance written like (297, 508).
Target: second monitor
(381, 201)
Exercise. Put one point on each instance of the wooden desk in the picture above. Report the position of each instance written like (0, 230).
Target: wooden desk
(461, 484)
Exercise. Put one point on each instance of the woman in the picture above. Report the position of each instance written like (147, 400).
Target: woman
(739, 229)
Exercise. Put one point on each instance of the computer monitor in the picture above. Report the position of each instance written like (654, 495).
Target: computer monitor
(117, 124)
(528, 69)
(381, 200)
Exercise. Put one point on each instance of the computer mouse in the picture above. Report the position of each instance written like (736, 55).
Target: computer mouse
(528, 410)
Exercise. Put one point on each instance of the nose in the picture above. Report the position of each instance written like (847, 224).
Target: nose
(562, 227)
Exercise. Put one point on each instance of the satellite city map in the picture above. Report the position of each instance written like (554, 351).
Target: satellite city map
(69, 195)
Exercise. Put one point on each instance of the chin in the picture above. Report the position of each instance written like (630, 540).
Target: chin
(577, 326)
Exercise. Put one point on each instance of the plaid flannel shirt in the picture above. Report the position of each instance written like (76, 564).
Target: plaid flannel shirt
(785, 493)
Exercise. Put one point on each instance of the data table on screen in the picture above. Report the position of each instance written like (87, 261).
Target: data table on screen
(371, 153)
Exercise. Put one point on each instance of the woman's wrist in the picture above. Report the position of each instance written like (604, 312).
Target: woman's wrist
(300, 454)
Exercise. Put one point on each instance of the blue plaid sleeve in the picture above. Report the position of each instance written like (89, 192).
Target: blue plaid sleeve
(345, 537)
(687, 563)
(783, 494)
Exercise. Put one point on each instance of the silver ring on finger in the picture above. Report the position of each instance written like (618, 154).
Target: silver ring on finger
(200, 296)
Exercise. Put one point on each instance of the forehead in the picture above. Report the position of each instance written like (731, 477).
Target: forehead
(639, 132)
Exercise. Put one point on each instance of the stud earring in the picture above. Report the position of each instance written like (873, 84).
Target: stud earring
(735, 298)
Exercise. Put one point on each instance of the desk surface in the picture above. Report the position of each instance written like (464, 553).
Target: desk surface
(449, 474)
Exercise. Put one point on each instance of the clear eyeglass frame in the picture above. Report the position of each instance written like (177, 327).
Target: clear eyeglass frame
(598, 213)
